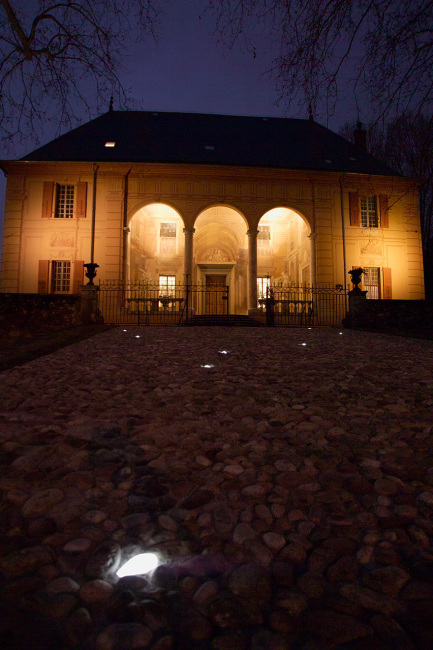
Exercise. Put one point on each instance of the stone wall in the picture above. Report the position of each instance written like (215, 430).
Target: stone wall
(30, 314)
(411, 316)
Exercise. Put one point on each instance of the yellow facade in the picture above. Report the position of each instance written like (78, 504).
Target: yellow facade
(193, 221)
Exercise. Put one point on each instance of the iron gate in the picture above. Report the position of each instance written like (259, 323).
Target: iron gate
(284, 306)
(145, 304)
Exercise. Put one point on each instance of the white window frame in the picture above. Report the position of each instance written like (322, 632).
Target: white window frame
(64, 205)
(369, 212)
(371, 281)
(167, 285)
(61, 276)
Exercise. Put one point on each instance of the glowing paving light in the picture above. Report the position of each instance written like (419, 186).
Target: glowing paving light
(224, 351)
(207, 365)
(340, 333)
(137, 336)
(139, 564)
(302, 344)
(124, 330)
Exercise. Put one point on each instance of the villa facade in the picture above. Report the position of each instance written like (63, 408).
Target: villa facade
(168, 198)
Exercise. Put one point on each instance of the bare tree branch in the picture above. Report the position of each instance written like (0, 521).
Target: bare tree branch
(381, 49)
(60, 58)
(405, 143)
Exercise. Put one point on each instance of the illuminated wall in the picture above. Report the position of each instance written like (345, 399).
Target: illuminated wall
(283, 247)
(299, 217)
(156, 244)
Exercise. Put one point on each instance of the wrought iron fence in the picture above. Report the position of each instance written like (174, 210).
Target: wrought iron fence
(284, 306)
(145, 304)
(304, 306)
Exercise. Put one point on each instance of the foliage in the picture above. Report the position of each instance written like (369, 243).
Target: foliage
(405, 143)
(57, 58)
(381, 49)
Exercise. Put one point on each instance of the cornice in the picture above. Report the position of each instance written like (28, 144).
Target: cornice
(193, 172)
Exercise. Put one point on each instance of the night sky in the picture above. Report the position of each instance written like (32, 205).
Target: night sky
(187, 70)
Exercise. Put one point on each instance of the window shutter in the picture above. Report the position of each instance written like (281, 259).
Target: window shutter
(81, 210)
(354, 209)
(77, 280)
(383, 208)
(387, 288)
(43, 276)
(47, 200)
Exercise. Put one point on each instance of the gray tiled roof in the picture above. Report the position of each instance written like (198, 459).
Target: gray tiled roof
(197, 138)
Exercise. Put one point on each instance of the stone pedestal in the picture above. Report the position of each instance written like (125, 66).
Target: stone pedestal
(356, 303)
(89, 309)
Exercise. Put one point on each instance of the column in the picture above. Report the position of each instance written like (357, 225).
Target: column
(252, 270)
(188, 256)
(312, 238)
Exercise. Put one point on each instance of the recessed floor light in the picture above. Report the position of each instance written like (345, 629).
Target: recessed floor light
(139, 564)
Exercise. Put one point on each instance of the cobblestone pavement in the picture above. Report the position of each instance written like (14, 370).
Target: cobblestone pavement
(283, 477)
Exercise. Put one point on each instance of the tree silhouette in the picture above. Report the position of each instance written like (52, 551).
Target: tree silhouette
(405, 143)
(58, 58)
(382, 50)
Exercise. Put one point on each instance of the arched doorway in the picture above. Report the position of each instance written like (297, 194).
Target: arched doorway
(156, 246)
(283, 249)
(221, 257)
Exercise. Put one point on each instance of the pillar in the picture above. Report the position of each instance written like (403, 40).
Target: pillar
(312, 238)
(252, 270)
(188, 255)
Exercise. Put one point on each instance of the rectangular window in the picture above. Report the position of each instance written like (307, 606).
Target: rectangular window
(167, 230)
(167, 285)
(369, 218)
(64, 202)
(167, 289)
(264, 240)
(167, 238)
(264, 232)
(60, 276)
(262, 285)
(371, 281)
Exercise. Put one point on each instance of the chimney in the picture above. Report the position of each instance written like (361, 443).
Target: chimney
(360, 137)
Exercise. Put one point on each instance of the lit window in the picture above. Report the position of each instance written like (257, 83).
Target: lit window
(60, 276)
(262, 286)
(369, 212)
(167, 237)
(64, 202)
(167, 285)
(110, 144)
(371, 281)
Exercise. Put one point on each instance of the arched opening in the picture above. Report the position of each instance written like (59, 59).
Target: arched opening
(156, 246)
(283, 250)
(220, 254)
